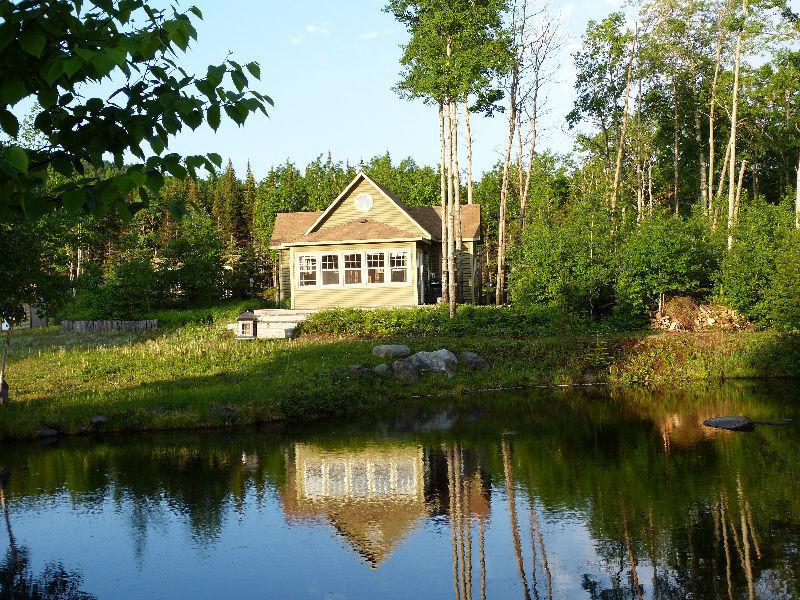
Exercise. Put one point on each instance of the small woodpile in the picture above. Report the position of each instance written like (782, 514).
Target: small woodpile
(685, 314)
(108, 326)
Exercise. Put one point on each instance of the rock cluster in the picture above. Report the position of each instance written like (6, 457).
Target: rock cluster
(684, 314)
(408, 367)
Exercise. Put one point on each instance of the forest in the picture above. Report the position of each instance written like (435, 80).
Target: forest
(684, 179)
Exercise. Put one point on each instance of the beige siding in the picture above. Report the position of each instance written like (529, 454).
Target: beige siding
(284, 275)
(382, 210)
(361, 296)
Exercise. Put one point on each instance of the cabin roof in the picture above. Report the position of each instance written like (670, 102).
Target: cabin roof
(424, 222)
(357, 230)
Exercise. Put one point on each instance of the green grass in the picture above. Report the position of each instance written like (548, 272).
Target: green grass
(198, 375)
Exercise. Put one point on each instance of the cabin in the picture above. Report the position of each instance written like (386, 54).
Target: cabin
(369, 250)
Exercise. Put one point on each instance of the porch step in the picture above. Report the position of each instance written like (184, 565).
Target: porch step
(275, 333)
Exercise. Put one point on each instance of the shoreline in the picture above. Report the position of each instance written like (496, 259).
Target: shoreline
(199, 377)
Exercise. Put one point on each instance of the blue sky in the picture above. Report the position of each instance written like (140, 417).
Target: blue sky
(330, 68)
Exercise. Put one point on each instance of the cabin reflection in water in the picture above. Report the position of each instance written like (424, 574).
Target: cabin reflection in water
(373, 496)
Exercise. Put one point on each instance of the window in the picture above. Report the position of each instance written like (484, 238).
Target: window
(246, 329)
(308, 271)
(398, 267)
(352, 268)
(330, 269)
(375, 267)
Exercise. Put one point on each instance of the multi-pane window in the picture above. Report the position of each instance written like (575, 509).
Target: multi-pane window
(375, 267)
(398, 267)
(330, 269)
(308, 271)
(352, 268)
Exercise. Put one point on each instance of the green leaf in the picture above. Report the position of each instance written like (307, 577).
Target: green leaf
(213, 116)
(12, 91)
(215, 75)
(255, 69)
(215, 158)
(9, 123)
(85, 54)
(48, 97)
(196, 12)
(239, 80)
(74, 199)
(137, 177)
(73, 65)
(18, 158)
(32, 41)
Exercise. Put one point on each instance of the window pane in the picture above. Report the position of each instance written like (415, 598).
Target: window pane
(398, 261)
(352, 268)
(330, 269)
(308, 270)
(375, 267)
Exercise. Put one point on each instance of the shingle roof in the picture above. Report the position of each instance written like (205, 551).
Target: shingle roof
(290, 226)
(358, 230)
(430, 217)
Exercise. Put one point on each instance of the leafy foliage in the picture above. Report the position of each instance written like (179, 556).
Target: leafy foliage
(56, 53)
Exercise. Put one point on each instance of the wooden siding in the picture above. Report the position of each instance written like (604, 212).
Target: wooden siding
(383, 210)
(285, 281)
(361, 296)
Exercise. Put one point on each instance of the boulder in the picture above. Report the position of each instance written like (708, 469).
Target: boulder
(46, 432)
(406, 370)
(99, 419)
(474, 361)
(438, 361)
(391, 351)
(730, 423)
(382, 369)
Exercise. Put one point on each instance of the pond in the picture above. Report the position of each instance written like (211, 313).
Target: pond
(535, 495)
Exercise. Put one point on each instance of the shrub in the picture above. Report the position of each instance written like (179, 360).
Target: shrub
(663, 255)
(782, 298)
(747, 269)
(470, 320)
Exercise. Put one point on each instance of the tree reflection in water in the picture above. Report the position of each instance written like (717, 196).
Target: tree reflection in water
(545, 497)
(17, 581)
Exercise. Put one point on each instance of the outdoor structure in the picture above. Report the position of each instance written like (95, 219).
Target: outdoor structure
(367, 250)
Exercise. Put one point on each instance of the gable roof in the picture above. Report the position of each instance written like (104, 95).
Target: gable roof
(358, 230)
(350, 187)
(425, 222)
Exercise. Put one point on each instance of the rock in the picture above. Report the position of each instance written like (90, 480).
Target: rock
(391, 351)
(730, 423)
(438, 361)
(46, 432)
(357, 370)
(224, 412)
(99, 419)
(382, 369)
(406, 370)
(474, 361)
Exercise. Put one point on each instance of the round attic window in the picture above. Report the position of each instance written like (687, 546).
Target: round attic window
(363, 202)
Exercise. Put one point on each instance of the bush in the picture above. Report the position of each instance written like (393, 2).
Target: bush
(782, 298)
(470, 320)
(663, 255)
(220, 313)
(747, 270)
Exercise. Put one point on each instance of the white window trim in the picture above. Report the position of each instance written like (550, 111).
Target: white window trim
(387, 253)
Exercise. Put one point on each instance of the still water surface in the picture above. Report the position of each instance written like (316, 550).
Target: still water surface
(533, 496)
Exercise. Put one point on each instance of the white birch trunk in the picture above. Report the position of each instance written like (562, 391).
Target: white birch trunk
(797, 198)
(456, 206)
(449, 221)
(469, 150)
(443, 191)
(712, 106)
(621, 145)
(734, 117)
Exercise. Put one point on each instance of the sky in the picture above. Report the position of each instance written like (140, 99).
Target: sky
(330, 68)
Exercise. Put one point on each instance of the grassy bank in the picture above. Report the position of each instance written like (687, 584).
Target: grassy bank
(197, 375)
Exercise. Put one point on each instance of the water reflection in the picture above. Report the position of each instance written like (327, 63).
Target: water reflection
(538, 497)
